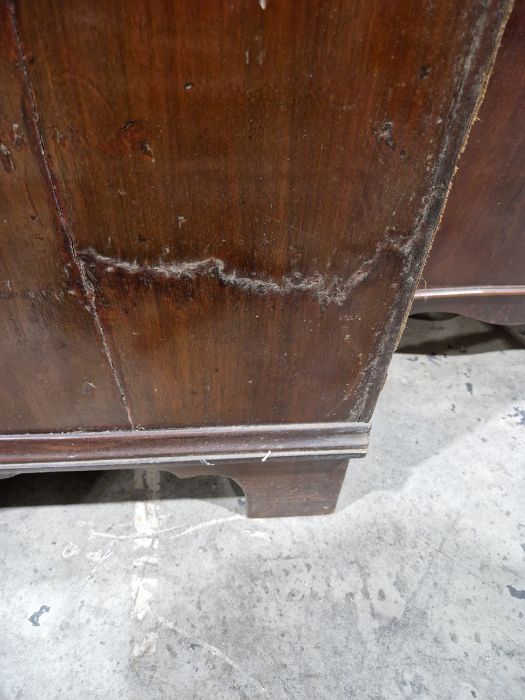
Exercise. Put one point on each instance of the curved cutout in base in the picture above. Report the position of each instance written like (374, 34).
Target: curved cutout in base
(504, 305)
(281, 487)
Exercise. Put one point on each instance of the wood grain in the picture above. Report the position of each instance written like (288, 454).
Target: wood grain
(54, 372)
(480, 243)
(251, 190)
(285, 487)
(119, 449)
(283, 470)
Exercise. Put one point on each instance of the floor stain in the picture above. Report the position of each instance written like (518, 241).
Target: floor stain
(35, 617)
(516, 593)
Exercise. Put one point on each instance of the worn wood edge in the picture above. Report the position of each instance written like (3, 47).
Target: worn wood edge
(477, 70)
(486, 75)
(184, 446)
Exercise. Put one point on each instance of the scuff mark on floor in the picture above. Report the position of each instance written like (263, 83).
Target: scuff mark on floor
(147, 647)
(70, 550)
(207, 523)
(94, 570)
(196, 643)
(131, 535)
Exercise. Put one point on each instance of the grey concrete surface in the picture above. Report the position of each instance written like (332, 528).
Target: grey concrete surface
(122, 585)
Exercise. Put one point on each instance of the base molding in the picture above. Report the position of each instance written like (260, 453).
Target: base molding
(503, 305)
(292, 469)
(124, 449)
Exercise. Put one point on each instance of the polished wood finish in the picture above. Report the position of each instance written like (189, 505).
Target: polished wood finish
(251, 190)
(481, 243)
(54, 373)
(283, 470)
(118, 449)
(503, 304)
(239, 199)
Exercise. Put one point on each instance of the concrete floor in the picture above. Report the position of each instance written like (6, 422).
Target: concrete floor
(122, 585)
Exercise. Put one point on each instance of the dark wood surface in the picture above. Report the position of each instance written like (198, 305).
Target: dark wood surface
(118, 448)
(481, 241)
(248, 192)
(283, 470)
(499, 304)
(54, 373)
(216, 215)
(285, 487)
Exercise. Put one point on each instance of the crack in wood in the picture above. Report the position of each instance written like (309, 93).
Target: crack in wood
(86, 286)
(335, 290)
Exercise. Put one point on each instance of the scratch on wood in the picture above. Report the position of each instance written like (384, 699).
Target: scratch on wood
(384, 134)
(87, 286)
(335, 290)
(6, 157)
(18, 136)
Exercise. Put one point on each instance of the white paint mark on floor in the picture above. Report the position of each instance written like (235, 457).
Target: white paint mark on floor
(144, 560)
(95, 555)
(207, 523)
(146, 524)
(144, 579)
(131, 535)
(259, 534)
(70, 550)
(93, 571)
(142, 592)
(213, 651)
(147, 647)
